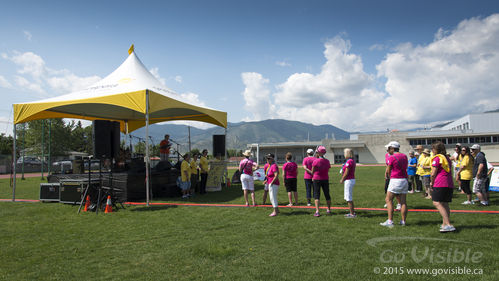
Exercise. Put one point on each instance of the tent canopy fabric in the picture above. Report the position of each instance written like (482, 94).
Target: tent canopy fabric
(121, 96)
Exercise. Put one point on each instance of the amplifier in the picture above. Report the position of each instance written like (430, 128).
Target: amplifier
(49, 192)
(71, 191)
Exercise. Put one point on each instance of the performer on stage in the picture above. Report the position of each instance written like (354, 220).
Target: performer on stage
(164, 148)
(203, 168)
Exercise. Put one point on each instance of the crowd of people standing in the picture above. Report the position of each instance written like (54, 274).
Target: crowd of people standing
(429, 172)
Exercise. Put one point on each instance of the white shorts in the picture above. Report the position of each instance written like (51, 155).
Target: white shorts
(398, 186)
(247, 182)
(348, 189)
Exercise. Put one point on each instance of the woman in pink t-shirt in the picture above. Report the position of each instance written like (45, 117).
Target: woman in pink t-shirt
(307, 175)
(348, 180)
(246, 167)
(272, 181)
(320, 178)
(290, 173)
(442, 184)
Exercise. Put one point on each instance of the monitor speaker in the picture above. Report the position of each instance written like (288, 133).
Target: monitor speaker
(106, 139)
(219, 145)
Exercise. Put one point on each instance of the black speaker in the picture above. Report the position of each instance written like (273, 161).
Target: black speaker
(106, 139)
(219, 145)
(71, 191)
(49, 192)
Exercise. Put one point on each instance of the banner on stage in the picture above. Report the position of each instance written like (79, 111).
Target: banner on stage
(494, 180)
(216, 176)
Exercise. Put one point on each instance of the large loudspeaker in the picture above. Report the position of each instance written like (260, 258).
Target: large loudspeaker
(219, 145)
(106, 139)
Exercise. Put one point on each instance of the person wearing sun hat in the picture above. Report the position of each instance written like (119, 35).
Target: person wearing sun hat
(246, 167)
(396, 170)
(307, 175)
(320, 178)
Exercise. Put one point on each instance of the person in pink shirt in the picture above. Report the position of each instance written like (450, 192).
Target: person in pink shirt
(442, 184)
(272, 181)
(290, 173)
(320, 178)
(246, 167)
(396, 170)
(307, 175)
(348, 180)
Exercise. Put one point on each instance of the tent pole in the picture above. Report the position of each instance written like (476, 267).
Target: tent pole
(147, 147)
(14, 165)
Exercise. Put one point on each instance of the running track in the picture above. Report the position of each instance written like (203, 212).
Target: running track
(268, 206)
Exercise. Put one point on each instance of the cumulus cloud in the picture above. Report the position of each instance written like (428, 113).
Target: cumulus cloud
(35, 76)
(155, 72)
(257, 96)
(443, 80)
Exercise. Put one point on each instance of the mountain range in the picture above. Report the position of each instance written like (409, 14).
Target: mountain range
(242, 133)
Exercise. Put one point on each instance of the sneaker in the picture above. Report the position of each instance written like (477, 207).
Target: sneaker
(447, 228)
(402, 223)
(328, 212)
(417, 191)
(350, 216)
(290, 205)
(467, 203)
(387, 223)
(398, 207)
(308, 204)
(317, 214)
(484, 203)
(273, 215)
(384, 206)
(412, 191)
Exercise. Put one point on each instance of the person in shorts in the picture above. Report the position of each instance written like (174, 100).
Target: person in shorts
(290, 173)
(480, 175)
(464, 173)
(411, 171)
(348, 181)
(442, 184)
(396, 170)
(246, 167)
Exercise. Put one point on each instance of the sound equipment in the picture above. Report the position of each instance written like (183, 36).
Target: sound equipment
(106, 139)
(219, 145)
(71, 191)
(49, 192)
(163, 166)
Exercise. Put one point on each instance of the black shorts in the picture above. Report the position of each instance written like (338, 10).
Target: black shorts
(290, 185)
(465, 185)
(442, 194)
(324, 184)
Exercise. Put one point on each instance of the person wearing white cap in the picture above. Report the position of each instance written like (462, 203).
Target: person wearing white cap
(246, 167)
(398, 187)
(307, 175)
(480, 174)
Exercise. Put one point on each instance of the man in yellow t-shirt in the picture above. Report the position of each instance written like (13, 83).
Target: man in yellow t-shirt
(203, 169)
(194, 174)
(185, 173)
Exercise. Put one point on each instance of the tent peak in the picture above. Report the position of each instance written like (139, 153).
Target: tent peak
(130, 51)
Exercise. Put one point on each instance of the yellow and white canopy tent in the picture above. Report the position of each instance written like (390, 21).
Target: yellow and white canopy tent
(130, 95)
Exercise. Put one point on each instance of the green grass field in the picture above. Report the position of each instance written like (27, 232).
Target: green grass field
(50, 241)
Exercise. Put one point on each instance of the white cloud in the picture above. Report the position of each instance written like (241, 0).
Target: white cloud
(178, 79)
(27, 35)
(4, 83)
(257, 96)
(378, 47)
(35, 76)
(155, 72)
(452, 76)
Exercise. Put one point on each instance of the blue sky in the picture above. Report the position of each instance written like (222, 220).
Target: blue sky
(358, 65)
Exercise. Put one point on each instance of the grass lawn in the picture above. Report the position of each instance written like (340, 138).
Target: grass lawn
(51, 241)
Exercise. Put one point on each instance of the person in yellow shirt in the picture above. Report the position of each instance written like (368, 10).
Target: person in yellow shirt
(203, 170)
(185, 173)
(194, 174)
(464, 174)
(424, 171)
